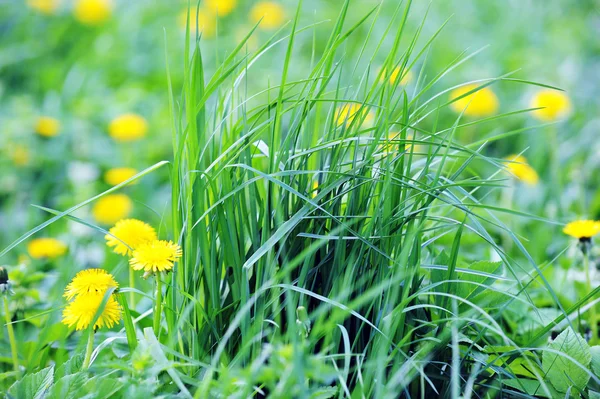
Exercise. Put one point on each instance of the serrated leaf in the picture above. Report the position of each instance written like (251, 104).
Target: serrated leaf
(562, 372)
(34, 385)
(324, 393)
(483, 272)
(69, 386)
(532, 387)
(71, 366)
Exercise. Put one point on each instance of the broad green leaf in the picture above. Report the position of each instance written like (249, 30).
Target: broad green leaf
(34, 385)
(69, 386)
(71, 366)
(595, 351)
(562, 372)
(532, 387)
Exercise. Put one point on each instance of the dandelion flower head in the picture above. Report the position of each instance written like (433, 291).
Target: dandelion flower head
(111, 208)
(481, 103)
(128, 127)
(90, 281)
(131, 231)
(46, 247)
(155, 256)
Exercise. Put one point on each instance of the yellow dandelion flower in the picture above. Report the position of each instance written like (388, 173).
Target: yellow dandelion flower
(519, 167)
(47, 126)
(407, 77)
(555, 105)
(112, 208)
(128, 127)
(207, 22)
(20, 155)
(315, 189)
(393, 137)
(582, 229)
(90, 281)
(155, 256)
(48, 248)
(92, 12)
(47, 7)
(81, 311)
(131, 231)
(221, 7)
(116, 176)
(272, 14)
(480, 103)
(346, 114)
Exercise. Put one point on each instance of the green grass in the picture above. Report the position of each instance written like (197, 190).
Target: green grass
(403, 273)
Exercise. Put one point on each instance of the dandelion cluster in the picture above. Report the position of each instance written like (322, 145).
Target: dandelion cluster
(86, 293)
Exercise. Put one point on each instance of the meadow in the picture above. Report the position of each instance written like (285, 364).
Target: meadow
(299, 199)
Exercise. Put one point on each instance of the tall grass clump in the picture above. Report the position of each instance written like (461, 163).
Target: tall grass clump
(322, 223)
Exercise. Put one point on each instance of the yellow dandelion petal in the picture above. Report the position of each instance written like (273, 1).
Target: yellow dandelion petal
(116, 176)
(128, 127)
(519, 167)
(82, 310)
(221, 7)
(555, 105)
(271, 13)
(112, 208)
(315, 189)
(90, 281)
(155, 256)
(47, 7)
(92, 12)
(478, 104)
(47, 126)
(407, 76)
(49, 248)
(131, 231)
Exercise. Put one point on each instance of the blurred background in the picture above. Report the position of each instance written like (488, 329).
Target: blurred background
(84, 98)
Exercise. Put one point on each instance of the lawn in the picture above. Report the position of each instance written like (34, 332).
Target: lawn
(299, 199)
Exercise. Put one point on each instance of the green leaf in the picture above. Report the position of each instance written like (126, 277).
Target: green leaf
(595, 351)
(71, 366)
(532, 387)
(33, 386)
(69, 386)
(324, 393)
(563, 372)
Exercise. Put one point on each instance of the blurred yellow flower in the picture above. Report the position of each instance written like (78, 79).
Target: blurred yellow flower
(155, 256)
(407, 76)
(220, 7)
(83, 309)
(131, 231)
(92, 12)
(346, 114)
(47, 126)
(49, 248)
(128, 127)
(480, 103)
(20, 155)
(116, 176)
(112, 208)
(582, 229)
(47, 7)
(519, 167)
(555, 105)
(392, 139)
(272, 14)
(90, 281)
(207, 22)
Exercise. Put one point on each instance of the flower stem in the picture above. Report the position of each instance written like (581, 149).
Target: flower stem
(132, 286)
(588, 287)
(158, 308)
(88, 350)
(11, 336)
